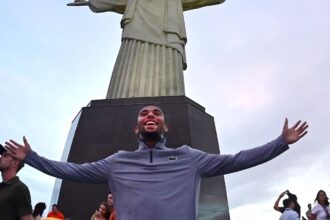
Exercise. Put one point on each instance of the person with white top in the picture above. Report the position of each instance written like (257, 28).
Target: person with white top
(321, 209)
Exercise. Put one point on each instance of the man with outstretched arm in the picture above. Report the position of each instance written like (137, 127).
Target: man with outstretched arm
(164, 180)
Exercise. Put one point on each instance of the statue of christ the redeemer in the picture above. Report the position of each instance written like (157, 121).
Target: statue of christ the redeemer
(152, 56)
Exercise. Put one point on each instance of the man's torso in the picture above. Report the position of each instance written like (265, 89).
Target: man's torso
(15, 200)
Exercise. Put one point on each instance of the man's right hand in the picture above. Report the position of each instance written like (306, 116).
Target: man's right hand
(283, 193)
(17, 150)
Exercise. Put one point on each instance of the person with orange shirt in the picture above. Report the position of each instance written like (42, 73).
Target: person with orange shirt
(55, 213)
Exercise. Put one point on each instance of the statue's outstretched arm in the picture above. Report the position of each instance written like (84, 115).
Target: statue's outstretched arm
(97, 6)
(78, 3)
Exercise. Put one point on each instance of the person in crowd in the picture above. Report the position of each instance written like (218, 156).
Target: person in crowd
(38, 211)
(289, 213)
(291, 196)
(309, 211)
(110, 202)
(164, 179)
(321, 210)
(113, 213)
(102, 213)
(55, 213)
(15, 199)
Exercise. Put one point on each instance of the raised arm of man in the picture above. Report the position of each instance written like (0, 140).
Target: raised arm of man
(96, 172)
(219, 164)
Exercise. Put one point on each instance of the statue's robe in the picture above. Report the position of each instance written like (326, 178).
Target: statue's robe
(152, 56)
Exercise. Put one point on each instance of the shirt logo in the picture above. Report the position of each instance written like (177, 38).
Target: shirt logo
(172, 158)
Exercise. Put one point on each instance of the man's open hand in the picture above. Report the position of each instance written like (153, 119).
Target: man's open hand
(17, 150)
(293, 134)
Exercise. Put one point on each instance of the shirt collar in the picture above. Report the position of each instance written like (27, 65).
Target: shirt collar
(11, 181)
(160, 145)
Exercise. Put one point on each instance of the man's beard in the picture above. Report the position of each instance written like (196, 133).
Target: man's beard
(151, 136)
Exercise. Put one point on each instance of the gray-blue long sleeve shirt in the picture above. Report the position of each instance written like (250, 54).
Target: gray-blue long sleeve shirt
(160, 183)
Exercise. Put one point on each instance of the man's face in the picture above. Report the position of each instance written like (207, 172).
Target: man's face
(151, 122)
(55, 209)
(102, 209)
(110, 199)
(6, 161)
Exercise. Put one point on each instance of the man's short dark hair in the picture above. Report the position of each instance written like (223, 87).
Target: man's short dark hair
(287, 202)
(20, 163)
(2, 149)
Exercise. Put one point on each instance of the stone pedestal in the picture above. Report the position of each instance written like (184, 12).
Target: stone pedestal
(106, 126)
